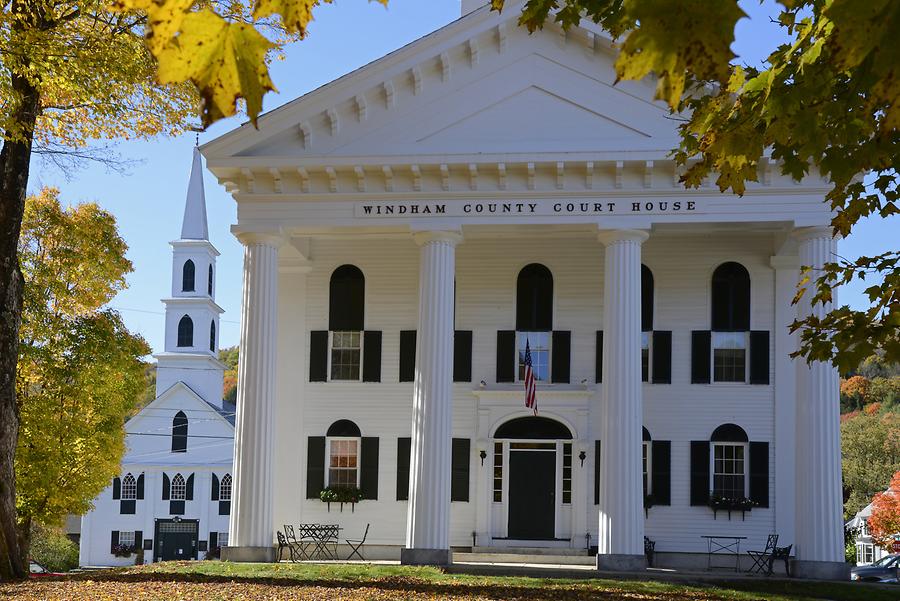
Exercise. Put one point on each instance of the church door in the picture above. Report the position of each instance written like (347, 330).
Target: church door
(176, 540)
(532, 491)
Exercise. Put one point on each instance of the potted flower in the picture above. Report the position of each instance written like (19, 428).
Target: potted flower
(729, 504)
(341, 494)
(123, 550)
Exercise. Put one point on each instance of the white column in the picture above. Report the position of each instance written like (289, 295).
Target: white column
(428, 518)
(251, 525)
(621, 536)
(787, 274)
(820, 535)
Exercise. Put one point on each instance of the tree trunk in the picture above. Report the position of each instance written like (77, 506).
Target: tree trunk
(14, 162)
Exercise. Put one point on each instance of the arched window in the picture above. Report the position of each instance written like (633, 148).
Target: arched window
(346, 318)
(646, 320)
(534, 319)
(178, 489)
(730, 298)
(730, 322)
(129, 487)
(343, 441)
(212, 336)
(729, 471)
(179, 433)
(209, 282)
(187, 276)
(185, 331)
(225, 488)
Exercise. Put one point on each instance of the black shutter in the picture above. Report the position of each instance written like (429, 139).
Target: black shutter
(215, 488)
(459, 471)
(165, 487)
(462, 356)
(224, 507)
(700, 356)
(127, 506)
(596, 472)
(403, 449)
(506, 356)
(148, 544)
(176, 507)
(759, 473)
(562, 343)
(318, 356)
(368, 477)
(407, 355)
(371, 356)
(114, 541)
(213, 540)
(662, 358)
(201, 546)
(598, 365)
(189, 488)
(759, 357)
(138, 539)
(140, 487)
(117, 488)
(315, 466)
(661, 475)
(699, 472)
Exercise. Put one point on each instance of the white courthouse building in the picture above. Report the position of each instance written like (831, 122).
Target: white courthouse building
(173, 497)
(409, 226)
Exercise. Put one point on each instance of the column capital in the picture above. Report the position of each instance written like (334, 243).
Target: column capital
(430, 236)
(608, 237)
(809, 233)
(266, 236)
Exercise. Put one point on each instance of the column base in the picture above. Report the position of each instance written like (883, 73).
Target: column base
(426, 557)
(820, 570)
(249, 554)
(608, 562)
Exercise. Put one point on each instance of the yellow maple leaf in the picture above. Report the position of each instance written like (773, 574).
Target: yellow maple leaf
(226, 61)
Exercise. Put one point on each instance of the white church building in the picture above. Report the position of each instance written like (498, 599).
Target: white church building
(172, 499)
(410, 228)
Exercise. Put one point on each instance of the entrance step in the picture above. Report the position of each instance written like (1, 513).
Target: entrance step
(526, 550)
(521, 555)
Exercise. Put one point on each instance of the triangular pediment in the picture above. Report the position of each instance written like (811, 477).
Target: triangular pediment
(481, 85)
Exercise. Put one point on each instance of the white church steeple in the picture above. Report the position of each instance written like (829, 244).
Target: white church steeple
(192, 315)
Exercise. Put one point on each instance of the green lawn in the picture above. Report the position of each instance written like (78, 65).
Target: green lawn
(222, 580)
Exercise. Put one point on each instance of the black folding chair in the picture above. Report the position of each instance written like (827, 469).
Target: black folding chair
(762, 559)
(284, 544)
(295, 544)
(356, 545)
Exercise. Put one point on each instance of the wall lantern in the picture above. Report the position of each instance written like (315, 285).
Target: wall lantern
(582, 456)
(483, 454)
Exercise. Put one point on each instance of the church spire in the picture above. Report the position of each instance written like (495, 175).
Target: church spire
(194, 225)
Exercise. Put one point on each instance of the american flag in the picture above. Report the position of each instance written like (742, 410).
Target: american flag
(530, 398)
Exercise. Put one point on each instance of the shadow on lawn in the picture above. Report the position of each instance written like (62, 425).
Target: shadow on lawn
(561, 590)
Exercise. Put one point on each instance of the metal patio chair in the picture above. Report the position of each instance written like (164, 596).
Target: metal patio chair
(282, 545)
(649, 550)
(762, 559)
(295, 544)
(783, 553)
(356, 545)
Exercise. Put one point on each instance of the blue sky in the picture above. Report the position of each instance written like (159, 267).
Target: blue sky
(148, 201)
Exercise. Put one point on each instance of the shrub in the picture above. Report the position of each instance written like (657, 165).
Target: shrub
(51, 548)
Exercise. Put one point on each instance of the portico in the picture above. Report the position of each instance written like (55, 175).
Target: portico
(407, 235)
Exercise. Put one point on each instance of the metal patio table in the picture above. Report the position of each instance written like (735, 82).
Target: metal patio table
(721, 545)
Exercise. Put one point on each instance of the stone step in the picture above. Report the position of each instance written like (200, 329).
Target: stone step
(526, 550)
(519, 557)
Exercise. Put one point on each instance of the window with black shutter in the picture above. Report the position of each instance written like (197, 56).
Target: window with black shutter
(506, 353)
(315, 466)
(371, 356)
(561, 346)
(730, 322)
(346, 322)
(759, 473)
(662, 357)
(661, 472)
(403, 451)
(534, 321)
(462, 356)
(318, 356)
(368, 480)
(699, 472)
(759, 357)
(407, 355)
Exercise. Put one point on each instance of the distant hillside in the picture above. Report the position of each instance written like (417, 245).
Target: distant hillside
(873, 388)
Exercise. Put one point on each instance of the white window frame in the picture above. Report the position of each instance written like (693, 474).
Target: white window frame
(648, 336)
(331, 439)
(648, 464)
(331, 349)
(864, 528)
(124, 535)
(712, 359)
(180, 495)
(520, 349)
(129, 489)
(222, 490)
(746, 461)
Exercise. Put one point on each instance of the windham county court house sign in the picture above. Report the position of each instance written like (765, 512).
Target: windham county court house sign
(411, 226)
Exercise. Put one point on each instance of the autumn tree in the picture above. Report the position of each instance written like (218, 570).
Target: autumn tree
(80, 371)
(870, 455)
(855, 392)
(884, 523)
(827, 101)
